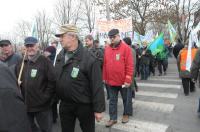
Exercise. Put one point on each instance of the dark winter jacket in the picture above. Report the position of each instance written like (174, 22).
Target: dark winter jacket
(98, 53)
(12, 59)
(145, 57)
(194, 70)
(13, 116)
(80, 79)
(38, 83)
(177, 49)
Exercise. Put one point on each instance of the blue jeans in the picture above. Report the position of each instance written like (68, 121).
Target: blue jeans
(126, 94)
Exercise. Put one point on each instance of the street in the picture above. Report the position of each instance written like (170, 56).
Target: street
(159, 106)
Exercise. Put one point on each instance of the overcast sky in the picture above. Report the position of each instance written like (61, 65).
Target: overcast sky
(13, 11)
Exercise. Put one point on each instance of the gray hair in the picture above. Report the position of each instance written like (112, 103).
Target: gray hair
(74, 35)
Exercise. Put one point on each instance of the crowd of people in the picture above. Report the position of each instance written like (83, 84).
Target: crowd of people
(76, 77)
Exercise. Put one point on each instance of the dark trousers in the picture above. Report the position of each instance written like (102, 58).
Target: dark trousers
(151, 70)
(107, 90)
(188, 85)
(137, 69)
(41, 121)
(70, 111)
(54, 112)
(162, 66)
(144, 70)
(135, 87)
(126, 94)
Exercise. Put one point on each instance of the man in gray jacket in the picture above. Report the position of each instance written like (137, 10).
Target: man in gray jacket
(13, 116)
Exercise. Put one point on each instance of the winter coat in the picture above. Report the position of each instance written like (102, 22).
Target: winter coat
(118, 65)
(177, 48)
(194, 70)
(79, 80)
(38, 83)
(13, 116)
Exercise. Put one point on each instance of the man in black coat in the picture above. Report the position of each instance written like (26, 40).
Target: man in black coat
(37, 86)
(13, 116)
(79, 83)
(177, 48)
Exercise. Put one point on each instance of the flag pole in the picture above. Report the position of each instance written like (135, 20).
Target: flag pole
(21, 69)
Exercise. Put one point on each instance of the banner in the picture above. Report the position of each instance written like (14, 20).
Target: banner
(124, 26)
(137, 38)
(149, 36)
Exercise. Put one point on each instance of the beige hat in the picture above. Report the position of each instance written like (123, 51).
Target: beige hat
(67, 28)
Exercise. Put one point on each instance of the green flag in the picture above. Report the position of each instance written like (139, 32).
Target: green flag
(34, 31)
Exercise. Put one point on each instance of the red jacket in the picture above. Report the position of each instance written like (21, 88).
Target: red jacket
(118, 65)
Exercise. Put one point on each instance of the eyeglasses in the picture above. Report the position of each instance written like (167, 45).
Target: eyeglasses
(112, 37)
(29, 45)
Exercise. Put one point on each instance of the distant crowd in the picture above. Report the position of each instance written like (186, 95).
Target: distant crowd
(35, 82)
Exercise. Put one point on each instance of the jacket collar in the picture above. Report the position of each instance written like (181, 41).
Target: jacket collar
(7, 57)
(77, 54)
(116, 46)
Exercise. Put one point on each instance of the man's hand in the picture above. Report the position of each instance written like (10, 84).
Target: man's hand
(193, 80)
(98, 116)
(127, 85)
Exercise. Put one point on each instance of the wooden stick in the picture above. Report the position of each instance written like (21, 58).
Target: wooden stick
(21, 69)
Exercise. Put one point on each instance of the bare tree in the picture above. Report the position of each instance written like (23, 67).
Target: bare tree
(67, 11)
(139, 10)
(43, 26)
(89, 12)
(22, 30)
(184, 14)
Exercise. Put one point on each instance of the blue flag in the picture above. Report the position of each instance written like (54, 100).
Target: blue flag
(157, 45)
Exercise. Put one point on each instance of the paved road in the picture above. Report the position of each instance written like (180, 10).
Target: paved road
(160, 106)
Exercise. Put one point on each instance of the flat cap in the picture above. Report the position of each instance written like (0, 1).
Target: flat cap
(67, 28)
(5, 42)
(113, 32)
(30, 40)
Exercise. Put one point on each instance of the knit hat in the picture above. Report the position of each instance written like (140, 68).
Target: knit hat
(51, 49)
(127, 40)
(67, 28)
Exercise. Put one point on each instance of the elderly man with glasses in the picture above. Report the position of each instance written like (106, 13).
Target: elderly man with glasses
(117, 75)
